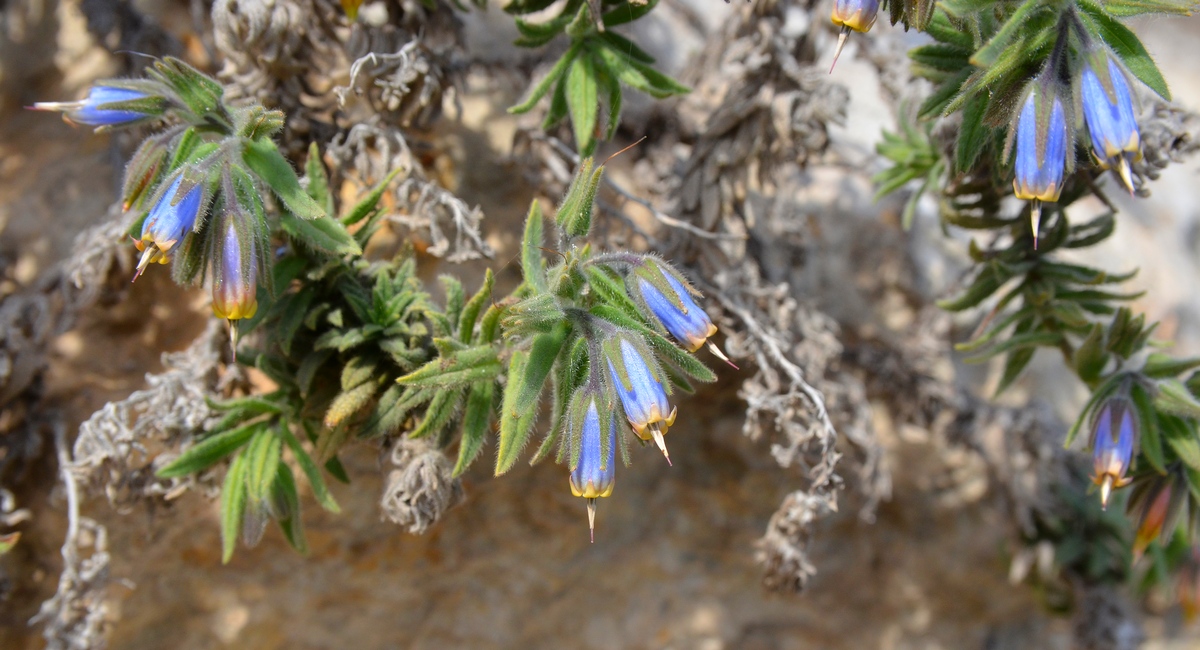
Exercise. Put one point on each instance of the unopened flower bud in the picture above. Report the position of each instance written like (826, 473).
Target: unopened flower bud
(235, 275)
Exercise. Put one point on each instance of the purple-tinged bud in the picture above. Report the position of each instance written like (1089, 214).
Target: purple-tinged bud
(168, 222)
(1108, 111)
(1114, 442)
(1040, 138)
(637, 381)
(595, 473)
(103, 106)
(235, 275)
(1158, 504)
(857, 15)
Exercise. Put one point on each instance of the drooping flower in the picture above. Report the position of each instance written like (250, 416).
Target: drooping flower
(103, 106)
(235, 276)
(671, 302)
(1108, 112)
(1040, 139)
(595, 473)
(857, 15)
(168, 222)
(1113, 442)
(638, 383)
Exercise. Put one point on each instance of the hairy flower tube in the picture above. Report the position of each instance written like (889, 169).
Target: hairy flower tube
(101, 107)
(642, 394)
(1108, 111)
(168, 222)
(235, 276)
(595, 472)
(857, 15)
(1041, 139)
(676, 310)
(1113, 442)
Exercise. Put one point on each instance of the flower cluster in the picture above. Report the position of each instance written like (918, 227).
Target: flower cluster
(635, 376)
(1042, 134)
(193, 191)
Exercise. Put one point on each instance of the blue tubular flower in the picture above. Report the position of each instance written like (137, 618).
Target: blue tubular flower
(235, 276)
(857, 15)
(96, 110)
(169, 220)
(1113, 441)
(642, 394)
(1108, 111)
(676, 310)
(594, 475)
(1041, 151)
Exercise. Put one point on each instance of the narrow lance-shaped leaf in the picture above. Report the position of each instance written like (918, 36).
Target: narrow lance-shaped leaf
(265, 160)
(438, 414)
(209, 451)
(320, 234)
(542, 87)
(1174, 397)
(515, 425)
(1126, 46)
(311, 471)
(369, 202)
(583, 98)
(1151, 437)
(233, 505)
(470, 312)
(318, 180)
(284, 492)
(988, 54)
(262, 461)
(531, 251)
(467, 366)
(476, 418)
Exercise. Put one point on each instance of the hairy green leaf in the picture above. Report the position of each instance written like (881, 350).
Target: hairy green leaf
(1126, 46)
(209, 451)
(583, 97)
(476, 418)
(233, 506)
(265, 160)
